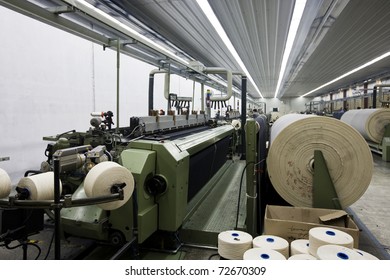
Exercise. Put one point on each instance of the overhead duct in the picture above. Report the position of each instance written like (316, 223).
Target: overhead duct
(229, 74)
(151, 86)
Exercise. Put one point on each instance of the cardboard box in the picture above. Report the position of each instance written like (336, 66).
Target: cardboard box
(293, 223)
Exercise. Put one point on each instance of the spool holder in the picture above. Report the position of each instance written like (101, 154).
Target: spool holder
(324, 192)
(57, 204)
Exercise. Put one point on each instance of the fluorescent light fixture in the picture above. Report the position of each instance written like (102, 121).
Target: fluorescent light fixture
(116, 24)
(350, 72)
(299, 7)
(208, 11)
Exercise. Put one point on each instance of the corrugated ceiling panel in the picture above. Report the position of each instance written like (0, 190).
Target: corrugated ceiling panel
(258, 30)
(359, 34)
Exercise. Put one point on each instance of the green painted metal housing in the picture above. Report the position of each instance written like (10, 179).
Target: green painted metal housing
(146, 159)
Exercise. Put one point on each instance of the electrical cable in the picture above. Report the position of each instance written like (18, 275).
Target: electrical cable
(27, 244)
(240, 188)
(50, 244)
(212, 256)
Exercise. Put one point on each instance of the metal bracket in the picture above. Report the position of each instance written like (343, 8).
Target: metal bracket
(324, 192)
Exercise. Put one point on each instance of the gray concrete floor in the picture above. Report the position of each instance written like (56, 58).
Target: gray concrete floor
(373, 208)
(371, 213)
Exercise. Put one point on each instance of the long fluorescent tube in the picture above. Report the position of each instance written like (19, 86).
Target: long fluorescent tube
(350, 72)
(116, 24)
(208, 11)
(299, 7)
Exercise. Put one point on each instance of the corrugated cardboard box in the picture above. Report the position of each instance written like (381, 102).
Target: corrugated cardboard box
(295, 222)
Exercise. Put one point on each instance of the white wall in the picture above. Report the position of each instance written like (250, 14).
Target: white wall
(50, 82)
(287, 105)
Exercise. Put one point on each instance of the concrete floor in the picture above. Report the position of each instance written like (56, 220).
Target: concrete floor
(373, 208)
(371, 213)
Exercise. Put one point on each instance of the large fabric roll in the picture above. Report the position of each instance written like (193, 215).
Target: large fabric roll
(369, 122)
(290, 161)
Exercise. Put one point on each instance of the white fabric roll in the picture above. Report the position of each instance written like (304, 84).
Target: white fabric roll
(369, 122)
(102, 177)
(366, 255)
(299, 246)
(40, 186)
(337, 252)
(272, 242)
(263, 254)
(5, 184)
(290, 161)
(302, 257)
(319, 236)
(232, 244)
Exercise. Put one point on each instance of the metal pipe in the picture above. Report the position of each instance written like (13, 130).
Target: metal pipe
(202, 96)
(57, 211)
(251, 159)
(118, 52)
(243, 112)
(193, 96)
(151, 87)
(217, 70)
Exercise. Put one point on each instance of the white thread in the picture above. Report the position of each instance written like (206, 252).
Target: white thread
(272, 242)
(337, 252)
(232, 244)
(5, 184)
(319, 236)
(263, 254)
(102, 177)
(299, 246)
(40, 186)
(302, 257)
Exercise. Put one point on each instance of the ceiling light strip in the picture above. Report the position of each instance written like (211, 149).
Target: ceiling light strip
(299, 7)
(349, 73)
(208, 11)
(116, 24)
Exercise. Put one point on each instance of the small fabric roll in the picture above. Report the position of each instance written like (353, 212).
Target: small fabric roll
(232, 244)
(40, 186)
(263, 254)
(299, 246)
(366, 255)
(5, 184)
(302, 257)
(102, 177)
(272, 242)
(337, 252)
(319, 236)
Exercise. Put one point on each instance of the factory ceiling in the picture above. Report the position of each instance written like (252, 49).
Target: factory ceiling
(333, 37)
